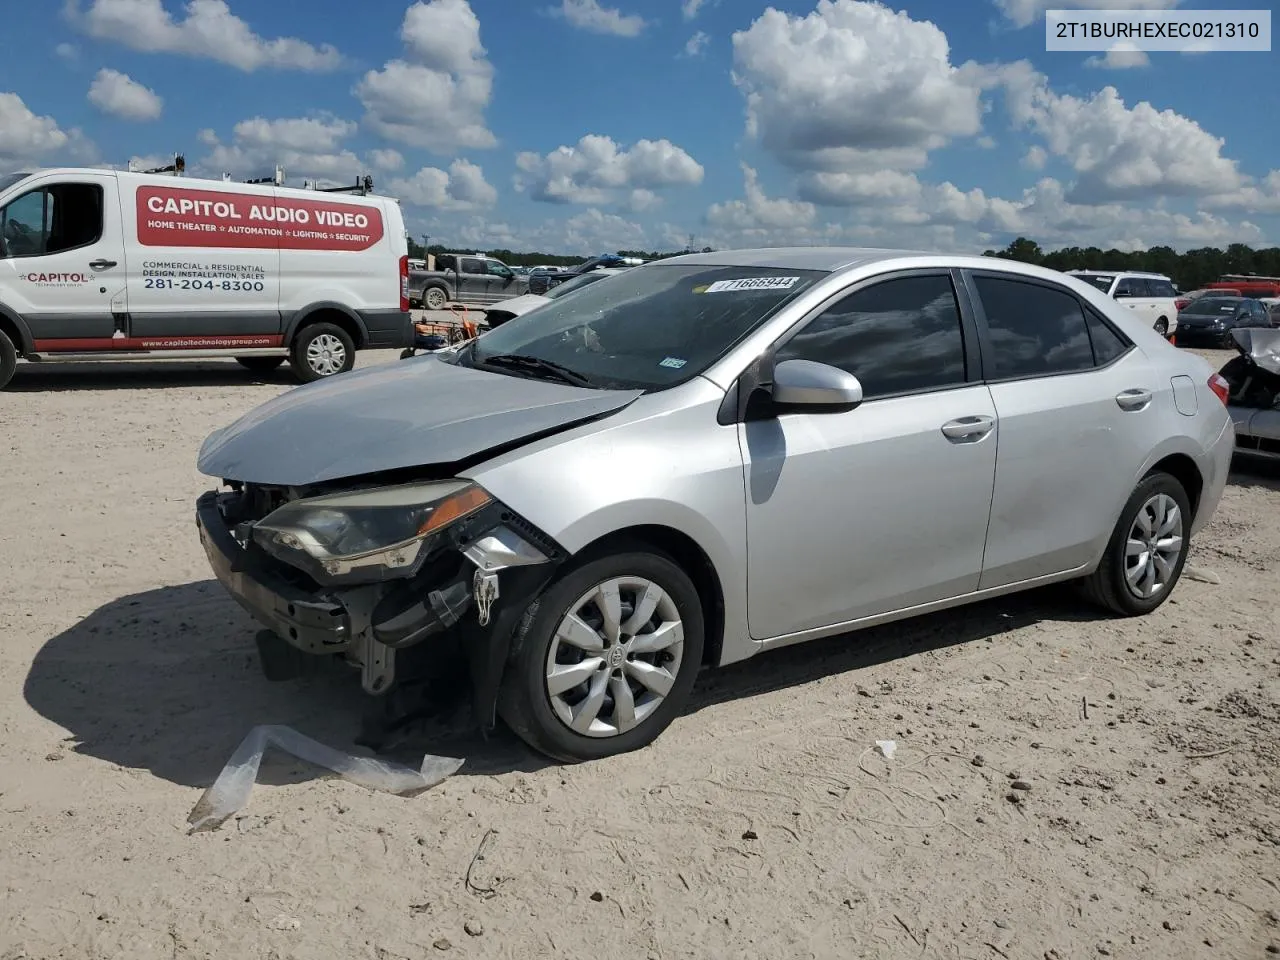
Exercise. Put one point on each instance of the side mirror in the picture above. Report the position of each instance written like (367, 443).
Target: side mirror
(806, 383)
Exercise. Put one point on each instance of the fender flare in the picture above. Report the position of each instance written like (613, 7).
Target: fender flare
(26, 344)
(300, 316)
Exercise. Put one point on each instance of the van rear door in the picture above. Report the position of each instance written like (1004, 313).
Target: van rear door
(63, 266)
(204, 264)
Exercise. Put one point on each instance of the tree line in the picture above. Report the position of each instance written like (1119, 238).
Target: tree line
(1188, 271)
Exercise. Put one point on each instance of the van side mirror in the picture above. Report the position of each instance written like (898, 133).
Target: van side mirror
(807, 383)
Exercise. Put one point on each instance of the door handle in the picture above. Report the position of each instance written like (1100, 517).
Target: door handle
(967, 429)
(1134, 399)
(101, 264)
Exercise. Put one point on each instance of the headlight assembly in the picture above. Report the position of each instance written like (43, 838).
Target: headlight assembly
(357, 533)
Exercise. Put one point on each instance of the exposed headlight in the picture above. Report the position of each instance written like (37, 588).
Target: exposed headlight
(385, 527)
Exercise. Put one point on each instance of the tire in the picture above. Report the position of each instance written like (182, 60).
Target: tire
(541, 719)
(434, 298)
(1109, 585)
(1162, 327)
(8, 359)
(260, 364)
(333, 352)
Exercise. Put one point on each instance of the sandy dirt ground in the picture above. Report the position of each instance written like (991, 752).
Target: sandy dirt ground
(1065, 786)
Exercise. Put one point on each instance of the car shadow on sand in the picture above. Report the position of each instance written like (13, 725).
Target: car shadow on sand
(168, 681)
(54, 377)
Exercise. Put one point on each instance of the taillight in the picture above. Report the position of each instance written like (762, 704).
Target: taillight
(1221, 389)
(404, 284)
(1179, 304)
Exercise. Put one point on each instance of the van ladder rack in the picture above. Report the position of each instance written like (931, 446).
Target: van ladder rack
(363, 186)
(177, 168)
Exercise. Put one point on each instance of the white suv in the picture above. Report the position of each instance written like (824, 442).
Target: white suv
(1150, 294)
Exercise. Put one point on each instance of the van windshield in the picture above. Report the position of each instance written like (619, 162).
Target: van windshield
(647, 328)
(7, 180)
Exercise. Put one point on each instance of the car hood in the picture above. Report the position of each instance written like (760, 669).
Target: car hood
(408, 413)
(519, 306)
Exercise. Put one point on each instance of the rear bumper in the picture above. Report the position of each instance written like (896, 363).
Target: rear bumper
(1217, 467)
(1257, 432)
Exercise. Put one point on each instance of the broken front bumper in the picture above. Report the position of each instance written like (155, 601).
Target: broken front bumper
(479, 581)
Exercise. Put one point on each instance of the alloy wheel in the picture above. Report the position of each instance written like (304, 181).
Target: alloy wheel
(614, 657)
(1154, 545)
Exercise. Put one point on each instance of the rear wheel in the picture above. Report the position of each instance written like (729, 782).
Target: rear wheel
(8, 359)
(434, 298)
(1162, 327)
(605, 659)
(1147, 549)
(260, 364)
(321, 350)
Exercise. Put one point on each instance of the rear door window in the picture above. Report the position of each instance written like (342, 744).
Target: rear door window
(1162, 288)
(1033, 330)
(1132, 287)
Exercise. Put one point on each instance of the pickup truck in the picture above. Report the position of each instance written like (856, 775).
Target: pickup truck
(474, 280)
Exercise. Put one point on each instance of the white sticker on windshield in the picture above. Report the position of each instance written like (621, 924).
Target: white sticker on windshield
(752, 283)
(675, 363)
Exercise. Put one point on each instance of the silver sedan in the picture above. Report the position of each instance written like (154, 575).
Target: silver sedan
(708, 457)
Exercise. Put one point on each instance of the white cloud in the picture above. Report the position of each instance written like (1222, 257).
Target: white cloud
(209, 30)
(589, 15)
(986, 143)
(756, 210)
(208, 137)
(462, 187)
(437, 97)
(306, 147)
(1123, 56)
(68, 52)
(641, 200)
(386, 159)
(1023, 13)
(596, 170)
(853, 85)
(690, 9)
(1119, 152)
(121, 96)
(696, 44)
(26, 137)
(833, 188)
(1261, 198)
(1035, 158)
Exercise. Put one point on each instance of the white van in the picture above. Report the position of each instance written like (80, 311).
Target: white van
(1151, 295)
(107, 265)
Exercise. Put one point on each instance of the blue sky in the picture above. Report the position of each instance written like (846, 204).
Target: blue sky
(588, 125)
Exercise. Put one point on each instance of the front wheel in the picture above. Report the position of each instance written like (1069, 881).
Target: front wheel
(605, 659)
(8, 359)
(1147, 549)
(321, 350)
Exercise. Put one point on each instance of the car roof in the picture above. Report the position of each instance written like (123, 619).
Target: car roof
(829, 259)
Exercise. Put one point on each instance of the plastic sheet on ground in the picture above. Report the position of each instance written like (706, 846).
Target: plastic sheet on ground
(230, 792)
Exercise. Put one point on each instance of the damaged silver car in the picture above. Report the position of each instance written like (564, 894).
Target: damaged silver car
(707, 457)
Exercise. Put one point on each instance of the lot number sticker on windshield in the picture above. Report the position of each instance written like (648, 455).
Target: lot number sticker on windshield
(752, 283)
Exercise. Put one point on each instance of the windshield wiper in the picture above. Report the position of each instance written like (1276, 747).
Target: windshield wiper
(518, 361)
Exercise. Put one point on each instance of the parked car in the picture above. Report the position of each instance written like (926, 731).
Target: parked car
(1253, 381)
(1151, 296)
(1186, 298)
(541, 283)
(531, 301)
(1208, 321)
(473, 280)
(709, 457)
(114, 265)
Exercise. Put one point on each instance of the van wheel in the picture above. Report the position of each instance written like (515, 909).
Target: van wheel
(1147, 549)
(260, 364)
(605, 658)
(8, 359)
(434, 298)
(320, 351)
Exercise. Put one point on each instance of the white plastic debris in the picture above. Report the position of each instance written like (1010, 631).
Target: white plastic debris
(1201, 574)
(886, 748)
(230, 792)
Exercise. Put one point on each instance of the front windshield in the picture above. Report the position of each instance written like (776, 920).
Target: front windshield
(7, 180)
(577, 283)
(647, 328)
